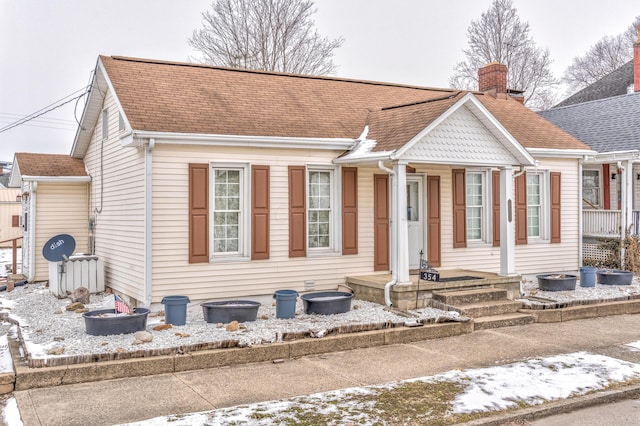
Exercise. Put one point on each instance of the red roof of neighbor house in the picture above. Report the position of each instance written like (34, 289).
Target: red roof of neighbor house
(53, 165)
(201, 99)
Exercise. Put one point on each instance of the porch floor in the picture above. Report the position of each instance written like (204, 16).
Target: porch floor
(414, 295)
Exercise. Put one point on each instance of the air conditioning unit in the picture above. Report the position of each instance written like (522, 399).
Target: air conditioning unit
(78, 271)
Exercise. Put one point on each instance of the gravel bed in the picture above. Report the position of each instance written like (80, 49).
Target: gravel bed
(46, 325)
(532, 295)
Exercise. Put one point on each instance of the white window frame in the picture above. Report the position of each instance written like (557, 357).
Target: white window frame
(486, 206)
(244, 221)
(105, 124)
(599, 187)
(335, 206)
(544, 205)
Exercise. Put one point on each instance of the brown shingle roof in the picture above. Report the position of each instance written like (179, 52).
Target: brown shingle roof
(191, 98)
(53, 165)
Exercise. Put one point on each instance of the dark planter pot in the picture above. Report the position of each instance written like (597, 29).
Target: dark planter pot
(557, 282)
(614, 277)
(230, 310)
(327, 302)
(106, 322)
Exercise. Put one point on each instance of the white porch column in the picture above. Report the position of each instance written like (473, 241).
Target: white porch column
(400, 225)
(507, 223)
(627, 196)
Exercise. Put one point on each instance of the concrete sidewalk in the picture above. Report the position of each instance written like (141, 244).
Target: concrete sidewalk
(132, 399)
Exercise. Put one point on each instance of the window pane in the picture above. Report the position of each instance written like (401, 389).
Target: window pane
(226, 215)
(475, 205)
(319, 209)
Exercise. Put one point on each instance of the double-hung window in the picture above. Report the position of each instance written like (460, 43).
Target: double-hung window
(230, 224)
(475, 200)
(321, 209)
(591, 187)
(536, 202)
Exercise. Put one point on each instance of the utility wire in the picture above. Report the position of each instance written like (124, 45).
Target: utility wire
(44, 110)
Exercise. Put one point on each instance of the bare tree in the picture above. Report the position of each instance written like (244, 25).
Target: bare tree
(269, 35)
(608, 54)
(500, 36)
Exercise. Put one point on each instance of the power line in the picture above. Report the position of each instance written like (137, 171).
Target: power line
(44, 110)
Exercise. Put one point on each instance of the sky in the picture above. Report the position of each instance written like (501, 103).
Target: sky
(49, 48)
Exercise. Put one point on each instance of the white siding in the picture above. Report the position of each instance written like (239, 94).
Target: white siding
(61, 209)
(172, 274)
(117, 206)
(9, 208)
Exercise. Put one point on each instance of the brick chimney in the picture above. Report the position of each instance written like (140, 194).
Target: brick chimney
(493, 77)
(636, 63)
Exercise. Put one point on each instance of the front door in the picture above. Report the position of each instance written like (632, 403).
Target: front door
(415, 219)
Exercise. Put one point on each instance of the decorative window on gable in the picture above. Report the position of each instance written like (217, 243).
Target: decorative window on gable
(105, 124)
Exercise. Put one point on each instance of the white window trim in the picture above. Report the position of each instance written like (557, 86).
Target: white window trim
(600, 185)
(335, 227)
(545, 194)
(244, 236)
(487, 210)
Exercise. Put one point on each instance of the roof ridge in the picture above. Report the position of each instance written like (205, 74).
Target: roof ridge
(592, 101)
(280, 74)
(426, 101)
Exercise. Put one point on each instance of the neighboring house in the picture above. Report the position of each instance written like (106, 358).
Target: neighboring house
(55, 197)
(10, 211)
(219, 183)
(606, 116)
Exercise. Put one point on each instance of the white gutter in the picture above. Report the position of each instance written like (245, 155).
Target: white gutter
(57, 179)
(148, 226)
(136, 138)
(387, 286)
(560, 153)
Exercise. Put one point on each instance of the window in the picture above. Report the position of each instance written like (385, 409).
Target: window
(475, 205)
(591, 187)
(229, 215)
(120, 122)
(536, 202)
(319, 211)
(105, 123)
(15, 221)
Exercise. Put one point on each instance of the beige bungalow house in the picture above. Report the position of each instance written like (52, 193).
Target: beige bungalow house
(55, 195)
(10, 211)
(218, 183)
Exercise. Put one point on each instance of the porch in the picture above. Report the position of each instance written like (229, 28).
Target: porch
(416, 295)
(607, 223)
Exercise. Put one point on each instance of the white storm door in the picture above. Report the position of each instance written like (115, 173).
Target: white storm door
(415, 219)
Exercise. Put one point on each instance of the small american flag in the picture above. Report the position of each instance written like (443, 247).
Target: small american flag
(121, 307)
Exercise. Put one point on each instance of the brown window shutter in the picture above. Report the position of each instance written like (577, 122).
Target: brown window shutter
(495, 197)
(15, 221)
(198, 213)
(381, 222)
(521, 209)
(434, 255)
(459, 209)
(297, 212)
(555, 220)
(259, 212)
(349, 210)
(606, 188)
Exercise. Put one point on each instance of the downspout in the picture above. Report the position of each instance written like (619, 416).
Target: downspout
(32, 234)
(148, 228)
(387, 286)
(623, 211)
(580, 213)
(520, 173)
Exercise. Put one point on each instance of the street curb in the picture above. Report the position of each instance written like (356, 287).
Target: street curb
(559, 407)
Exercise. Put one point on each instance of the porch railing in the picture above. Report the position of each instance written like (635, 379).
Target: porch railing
(607, 223)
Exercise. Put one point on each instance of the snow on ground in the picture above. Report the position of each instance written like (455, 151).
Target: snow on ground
(531, 382)
(11, 414)
(46, 324)
(6, 364)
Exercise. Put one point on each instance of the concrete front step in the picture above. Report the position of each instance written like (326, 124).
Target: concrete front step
(485, 309)
(461, 297)
(503, 320)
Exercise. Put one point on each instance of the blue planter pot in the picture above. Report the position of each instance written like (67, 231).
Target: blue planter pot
(614, 277)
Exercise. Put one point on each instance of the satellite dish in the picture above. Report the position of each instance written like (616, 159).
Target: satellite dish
(59, 248)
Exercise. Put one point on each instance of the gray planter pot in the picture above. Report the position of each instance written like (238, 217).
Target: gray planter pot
(557, 282)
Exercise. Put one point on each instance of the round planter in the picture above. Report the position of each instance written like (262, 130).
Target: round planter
(230, 310)
(105, 322)
(614, 277)
(557, 282)
(327, 302)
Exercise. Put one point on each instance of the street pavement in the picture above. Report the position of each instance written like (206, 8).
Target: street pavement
(133, 399)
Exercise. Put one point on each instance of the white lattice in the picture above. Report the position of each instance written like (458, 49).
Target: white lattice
(594, 252)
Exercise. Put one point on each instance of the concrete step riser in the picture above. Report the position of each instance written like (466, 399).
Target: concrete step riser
(464, 297)
(486, 325)
(485, 311)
